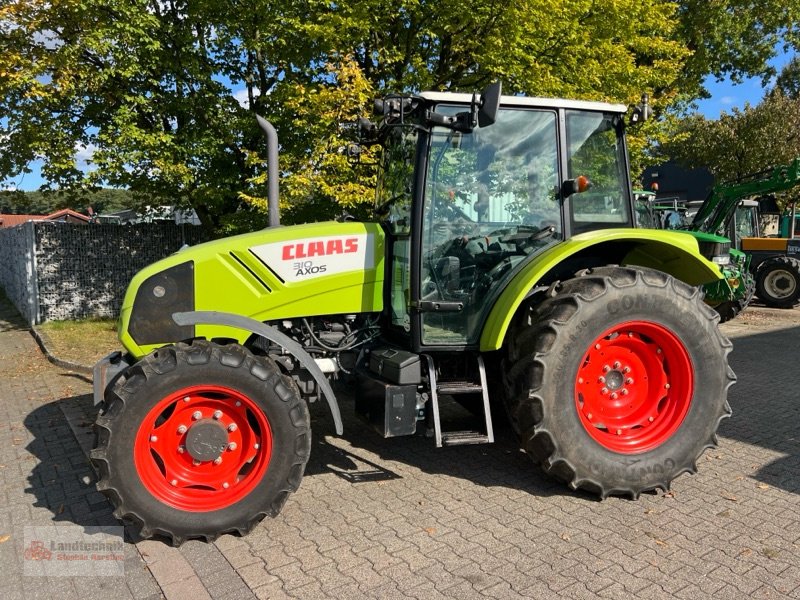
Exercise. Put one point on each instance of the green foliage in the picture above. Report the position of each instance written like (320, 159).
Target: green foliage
(788, 80)
(741, 142)
(44, 203)
(145, 86)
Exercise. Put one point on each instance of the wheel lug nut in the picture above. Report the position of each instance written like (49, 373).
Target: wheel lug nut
(196, 415)
(651, 419)
(626, 370)
(174, 482)
(226, 485)
(217, 414)
(606, 368)
(256, 446)
(196, 463)
(629, 380)
(630, 334)
(597, 346)
(580, 379)
(238, 403)
(589, 416)
(617, 365)
(604, 391)
(624, 392)
(232, 427)
(181, 449)
(218, 460)
(232, 446)
(667, 386)
(658, 350)
(186, 398)
(181, 429)
(153, 438)
(601, 379)
(619, 431)
(614, 395)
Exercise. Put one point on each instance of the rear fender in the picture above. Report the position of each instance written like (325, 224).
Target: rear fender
(672, 252)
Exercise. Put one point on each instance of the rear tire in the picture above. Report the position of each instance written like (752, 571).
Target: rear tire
(618, 381)
(201, 439)
(778, 282)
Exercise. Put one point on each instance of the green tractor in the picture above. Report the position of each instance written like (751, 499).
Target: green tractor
(730, 295)
(773, 261)
(502, 269)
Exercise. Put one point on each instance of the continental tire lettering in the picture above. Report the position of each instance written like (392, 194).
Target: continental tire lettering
(630, 302)
(622, 470)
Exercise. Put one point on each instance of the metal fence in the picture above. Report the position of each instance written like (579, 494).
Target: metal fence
(53, 271)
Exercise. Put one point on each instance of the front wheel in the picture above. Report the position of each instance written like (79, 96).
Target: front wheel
(201, 439)
(730, 309)
(618, 381)
(778, 282)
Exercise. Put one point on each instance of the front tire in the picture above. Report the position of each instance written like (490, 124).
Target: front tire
(201, 439)
(732, 308)
(618, 381)
(778, 282)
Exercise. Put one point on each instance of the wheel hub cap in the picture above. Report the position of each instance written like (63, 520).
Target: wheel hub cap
(203, 448)
(633, 387)
(614, 380)
(206, 440)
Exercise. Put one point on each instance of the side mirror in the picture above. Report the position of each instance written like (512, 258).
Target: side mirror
(490, 104)
(642, 111)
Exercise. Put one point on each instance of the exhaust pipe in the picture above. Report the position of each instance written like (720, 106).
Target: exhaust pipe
(272, 170)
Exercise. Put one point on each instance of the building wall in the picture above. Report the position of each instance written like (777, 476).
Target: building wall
(81, 272)
(17, 268)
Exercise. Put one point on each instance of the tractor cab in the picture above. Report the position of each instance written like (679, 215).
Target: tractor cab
(468, 200)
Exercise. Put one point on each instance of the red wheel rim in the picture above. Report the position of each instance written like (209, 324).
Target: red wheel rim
(634, 387)
(195, 478)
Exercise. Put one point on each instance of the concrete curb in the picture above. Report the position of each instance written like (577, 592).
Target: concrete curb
(42, 340)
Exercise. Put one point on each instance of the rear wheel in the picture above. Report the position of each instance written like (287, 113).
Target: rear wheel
(618, 381)
(201, 439)
(778, 282)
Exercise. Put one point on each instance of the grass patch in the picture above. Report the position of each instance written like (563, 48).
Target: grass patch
(83, 342)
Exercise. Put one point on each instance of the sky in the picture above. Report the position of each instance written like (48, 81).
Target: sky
(725, 96)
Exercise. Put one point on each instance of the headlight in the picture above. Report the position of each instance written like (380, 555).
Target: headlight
(160, 295)
(724, 259)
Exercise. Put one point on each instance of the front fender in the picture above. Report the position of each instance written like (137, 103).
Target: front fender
(270, 333)
(672, 252)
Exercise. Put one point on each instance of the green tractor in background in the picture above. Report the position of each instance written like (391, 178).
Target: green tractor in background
(729, 295)
(773, 261)
(503, 268)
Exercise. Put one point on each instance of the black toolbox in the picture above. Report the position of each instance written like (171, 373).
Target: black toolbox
(397, 366)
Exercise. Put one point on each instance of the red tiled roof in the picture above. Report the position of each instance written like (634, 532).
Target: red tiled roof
(12, 220)
(66, 213)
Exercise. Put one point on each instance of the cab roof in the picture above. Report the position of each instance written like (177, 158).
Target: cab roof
(527, 102)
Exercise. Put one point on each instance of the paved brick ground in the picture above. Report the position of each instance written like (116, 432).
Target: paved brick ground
(398, 518)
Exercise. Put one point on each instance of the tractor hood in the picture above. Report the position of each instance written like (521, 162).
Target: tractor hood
(275, 273)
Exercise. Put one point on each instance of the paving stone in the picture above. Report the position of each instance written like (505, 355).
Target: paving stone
(473, 522)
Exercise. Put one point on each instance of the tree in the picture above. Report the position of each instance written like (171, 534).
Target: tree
(739, 143)
(148, 85)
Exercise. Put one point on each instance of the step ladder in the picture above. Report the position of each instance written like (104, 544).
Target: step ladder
(457, 438)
